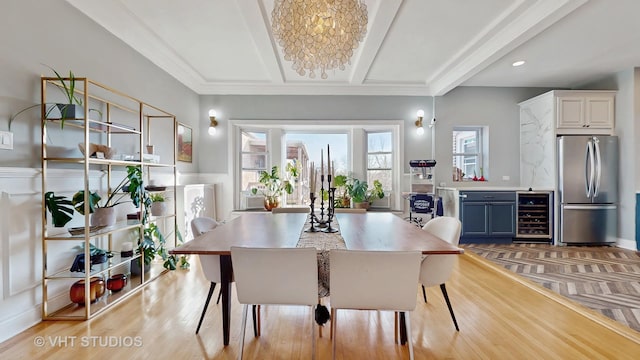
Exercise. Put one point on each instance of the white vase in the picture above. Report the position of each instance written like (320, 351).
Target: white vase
(103, 217)
(158, 208)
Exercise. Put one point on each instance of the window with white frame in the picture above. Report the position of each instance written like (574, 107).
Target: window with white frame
(380, 159)
(265, 143)
(253, 159)
(467, 153)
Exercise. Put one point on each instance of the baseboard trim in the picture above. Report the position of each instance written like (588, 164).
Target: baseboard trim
(19, 323)
(582, 310)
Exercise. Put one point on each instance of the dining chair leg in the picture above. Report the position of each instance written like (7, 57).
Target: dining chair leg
(333, 333)
(333, 315)
(313, 333)
(446, 298)
(242, 332)
(407, 322)
(424, 294)
(219, 296)
(206, 304)
(395, 327)
(255, 311)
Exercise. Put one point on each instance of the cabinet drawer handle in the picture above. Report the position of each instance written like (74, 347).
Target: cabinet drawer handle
(463, 196)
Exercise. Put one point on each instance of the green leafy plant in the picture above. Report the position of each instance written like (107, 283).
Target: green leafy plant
(342, 185)
(157, 197)
(67, 86)
(132, 182)
(273, 185)
(60, 207)
(360, 191)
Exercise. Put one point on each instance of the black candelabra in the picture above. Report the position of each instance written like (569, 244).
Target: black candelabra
(312, 218)
(330, 207)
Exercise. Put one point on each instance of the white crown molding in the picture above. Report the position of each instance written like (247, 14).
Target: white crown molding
(312, 89)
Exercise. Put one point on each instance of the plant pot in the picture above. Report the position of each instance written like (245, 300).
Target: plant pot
(158, 208)
(70, 111)
(135, 267)
(96, 290)
(346, 202)
(103, 217)
(271, 202)
(361, 205)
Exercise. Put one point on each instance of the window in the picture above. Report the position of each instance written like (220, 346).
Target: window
(304, 147)
(467, 153)
(380, 159)
(358, 148)
(254, 158)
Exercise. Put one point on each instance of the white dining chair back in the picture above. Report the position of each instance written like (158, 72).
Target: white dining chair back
(373, 280)
(350, 210)
(275, 276)
(291, 209)
(210, 264)
(436, 269)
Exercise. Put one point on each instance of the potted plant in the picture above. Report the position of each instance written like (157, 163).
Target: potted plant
(60, 208)
(158, 207)
(104, 215)
(342, 185)
(273, 188)
(362, 195)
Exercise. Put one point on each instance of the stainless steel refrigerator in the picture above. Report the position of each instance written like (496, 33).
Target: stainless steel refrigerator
(588, 189)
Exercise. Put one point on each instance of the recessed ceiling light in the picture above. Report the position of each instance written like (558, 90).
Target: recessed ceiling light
(518, 63)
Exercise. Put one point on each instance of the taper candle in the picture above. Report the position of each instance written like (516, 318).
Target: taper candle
(321, 162)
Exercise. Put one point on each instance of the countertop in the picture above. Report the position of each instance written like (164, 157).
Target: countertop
(489, 188)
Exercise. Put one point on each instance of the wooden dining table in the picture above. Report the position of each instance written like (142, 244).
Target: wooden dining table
(374, 231)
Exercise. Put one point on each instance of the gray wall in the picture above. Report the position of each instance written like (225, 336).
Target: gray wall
(625, 116)
(312, 108)
(52, 32)
(493, 107)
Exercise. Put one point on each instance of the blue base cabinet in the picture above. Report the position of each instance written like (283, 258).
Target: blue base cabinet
(487, 216)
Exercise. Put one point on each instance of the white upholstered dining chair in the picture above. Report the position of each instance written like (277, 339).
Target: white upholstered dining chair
(373, 280)
(276, 276)
(210, 264)
(290, 209)
(436, 269)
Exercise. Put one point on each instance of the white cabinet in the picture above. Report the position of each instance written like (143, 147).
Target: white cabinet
(558, 112)
(584, 112)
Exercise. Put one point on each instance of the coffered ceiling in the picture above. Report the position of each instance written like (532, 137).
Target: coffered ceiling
(412, 47)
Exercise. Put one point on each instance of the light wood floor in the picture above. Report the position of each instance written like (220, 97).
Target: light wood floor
(499, 317)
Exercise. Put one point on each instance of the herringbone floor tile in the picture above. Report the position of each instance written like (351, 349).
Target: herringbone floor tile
(605, 279)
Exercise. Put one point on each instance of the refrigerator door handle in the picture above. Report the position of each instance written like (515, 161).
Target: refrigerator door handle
(596, 146)
(589, 207)
(588, 169)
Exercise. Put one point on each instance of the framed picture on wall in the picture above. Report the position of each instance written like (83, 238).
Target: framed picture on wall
(185, 143)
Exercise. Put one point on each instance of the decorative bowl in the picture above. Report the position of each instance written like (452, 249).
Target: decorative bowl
(96, 290)
(117, 282)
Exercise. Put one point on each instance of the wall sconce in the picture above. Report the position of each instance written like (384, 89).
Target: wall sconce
(420, 129)
(213, 122)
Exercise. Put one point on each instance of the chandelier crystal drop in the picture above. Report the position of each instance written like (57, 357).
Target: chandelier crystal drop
(319, 35)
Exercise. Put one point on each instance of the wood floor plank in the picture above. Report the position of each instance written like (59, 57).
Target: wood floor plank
(499, 317)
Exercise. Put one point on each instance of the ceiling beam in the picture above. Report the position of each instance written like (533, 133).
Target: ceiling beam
(256, 17)
(502, 36)
(118, 20)
(383, 17)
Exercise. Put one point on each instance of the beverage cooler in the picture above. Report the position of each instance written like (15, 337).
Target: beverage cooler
(535, 219)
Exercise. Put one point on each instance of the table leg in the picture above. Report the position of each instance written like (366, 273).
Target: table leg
(226, 272)
(403, 329)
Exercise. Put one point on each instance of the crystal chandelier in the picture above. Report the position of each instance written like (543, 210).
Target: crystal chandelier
(319, 34)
